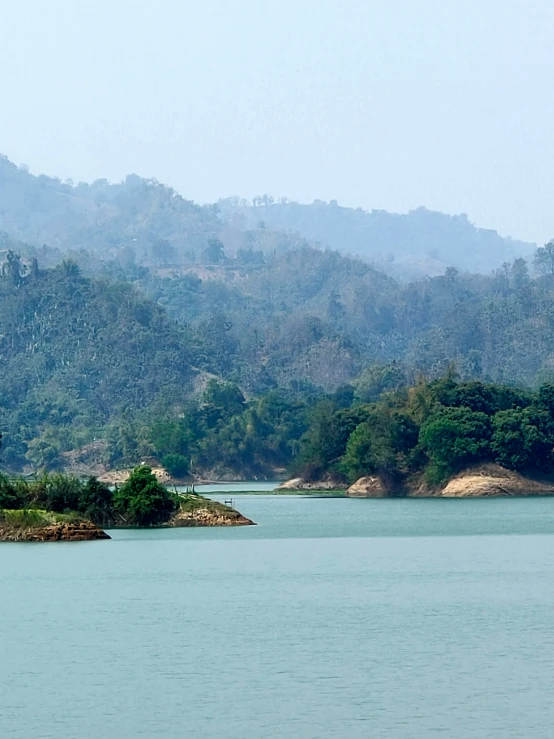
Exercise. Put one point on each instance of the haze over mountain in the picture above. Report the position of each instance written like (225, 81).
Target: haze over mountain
(151, 223)
(385, 105)
(419, 242)
(149, 295)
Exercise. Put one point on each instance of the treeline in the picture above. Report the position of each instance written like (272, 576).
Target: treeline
(223, 434)
(435, 428)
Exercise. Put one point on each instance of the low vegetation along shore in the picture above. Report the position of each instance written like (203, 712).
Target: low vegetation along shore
(62, 508)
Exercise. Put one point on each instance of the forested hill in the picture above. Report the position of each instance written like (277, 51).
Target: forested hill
(141, 221)
(417, 243)
(93, 359)
(152, 295)
(76, 353)
(321, 318)
(138, 221)
(136, 215)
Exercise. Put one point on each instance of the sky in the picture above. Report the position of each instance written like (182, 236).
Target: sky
(385, 104)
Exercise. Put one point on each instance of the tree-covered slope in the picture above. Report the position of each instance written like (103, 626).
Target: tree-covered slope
(434, 428)
(85, 359)
(323, 318)
(75, 353)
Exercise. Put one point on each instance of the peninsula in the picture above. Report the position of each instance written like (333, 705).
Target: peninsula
(62, 508)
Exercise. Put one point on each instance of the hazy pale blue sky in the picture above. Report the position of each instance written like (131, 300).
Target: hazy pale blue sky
(377, 103)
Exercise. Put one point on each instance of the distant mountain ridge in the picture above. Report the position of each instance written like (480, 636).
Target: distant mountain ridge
(142, 221)
(406, 245)
(138, 215)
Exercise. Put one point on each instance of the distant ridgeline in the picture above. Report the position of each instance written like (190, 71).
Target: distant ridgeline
(142, 222)
(417, 243)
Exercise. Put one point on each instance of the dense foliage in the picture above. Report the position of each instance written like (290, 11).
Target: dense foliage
(91, 363)
(76, 354)
(437, 428)
(223, 433)
(140, 501)
(219, 339)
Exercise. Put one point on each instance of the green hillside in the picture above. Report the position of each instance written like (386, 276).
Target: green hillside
(75, 353)
(152, 296)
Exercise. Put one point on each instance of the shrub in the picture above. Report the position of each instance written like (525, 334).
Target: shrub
(96, 502)
(57, 492)
(13, 494)
(523, 438)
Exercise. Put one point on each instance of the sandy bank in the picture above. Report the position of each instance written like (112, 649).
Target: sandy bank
(486, 481)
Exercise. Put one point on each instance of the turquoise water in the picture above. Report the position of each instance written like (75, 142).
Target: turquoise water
(332, 618)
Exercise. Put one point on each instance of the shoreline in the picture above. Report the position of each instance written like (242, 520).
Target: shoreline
(294, 494)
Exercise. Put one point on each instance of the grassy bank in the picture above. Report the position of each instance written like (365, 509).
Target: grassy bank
(34, 518)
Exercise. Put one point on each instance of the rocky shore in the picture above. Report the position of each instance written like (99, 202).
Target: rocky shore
(367, 487)
(81, 531)
(118, 477)
(488, 480)
(481, 481)
(208, 516)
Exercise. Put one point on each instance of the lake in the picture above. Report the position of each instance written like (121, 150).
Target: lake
(333, 618)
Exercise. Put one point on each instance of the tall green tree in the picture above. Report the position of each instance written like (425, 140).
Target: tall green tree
(142, 500)
(544, 258)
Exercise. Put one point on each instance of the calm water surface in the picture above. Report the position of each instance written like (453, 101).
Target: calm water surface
(332, 618)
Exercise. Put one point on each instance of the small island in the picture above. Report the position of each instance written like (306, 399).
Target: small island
(58, 507)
